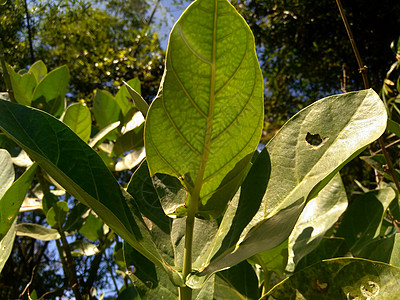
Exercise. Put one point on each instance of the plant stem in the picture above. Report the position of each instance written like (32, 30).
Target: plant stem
(185, 293)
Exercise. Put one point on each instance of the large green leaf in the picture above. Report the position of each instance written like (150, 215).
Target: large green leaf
(300, 168)
(80, 170)
(49, 94)
(78, 118)
(12, 199)
(206, 121)
(319, 215)
(317, 142)
(342, 278)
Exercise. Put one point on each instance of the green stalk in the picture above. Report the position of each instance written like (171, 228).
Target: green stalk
(185, 293)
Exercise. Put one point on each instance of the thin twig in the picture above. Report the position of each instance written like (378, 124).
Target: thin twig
(363, 71)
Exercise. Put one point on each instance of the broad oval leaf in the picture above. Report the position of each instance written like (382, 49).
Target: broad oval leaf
(313, 145)
(78, 118)
(206, 121)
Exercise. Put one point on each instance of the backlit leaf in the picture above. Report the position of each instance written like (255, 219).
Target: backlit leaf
(206, 121)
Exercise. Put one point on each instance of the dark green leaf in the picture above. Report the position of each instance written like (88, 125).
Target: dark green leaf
(362, 220)
(49, 94)
(78, 168)
(341, 278)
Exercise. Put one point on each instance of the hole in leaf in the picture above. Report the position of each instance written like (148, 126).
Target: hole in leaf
(320, 285)
(371, 290)
(314, 139)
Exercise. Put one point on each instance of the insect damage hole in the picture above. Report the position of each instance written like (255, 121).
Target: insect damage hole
(315, 140)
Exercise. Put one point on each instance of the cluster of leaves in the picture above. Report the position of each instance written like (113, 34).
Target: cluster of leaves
(205, 215)
(99, 47)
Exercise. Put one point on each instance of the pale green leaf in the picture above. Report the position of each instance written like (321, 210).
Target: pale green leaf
(80, 248)
(344, 124)
(92, 228)
(36, 231)
(22, 85)
(78, 118)
(206, 121)
(6, 245)
(39, 70)
(12, 199)
(103, 133)
(319, 215)
(7, 175)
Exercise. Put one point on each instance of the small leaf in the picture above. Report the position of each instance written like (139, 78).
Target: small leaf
(105, 109)
(133, 139)
(39, 70)
(80, 248)
(22, 85)
(140, 103)
(123, 97)
(49, 94)
(130, 160)
(36, 231)
(56, 214)
(92, 228)
(78, 118)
